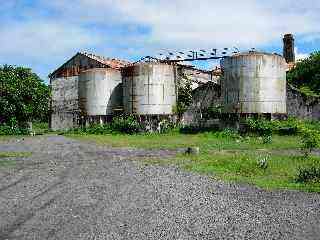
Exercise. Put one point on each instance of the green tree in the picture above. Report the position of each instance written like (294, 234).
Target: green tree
(184, 96)
(23, 96)
(306, 75)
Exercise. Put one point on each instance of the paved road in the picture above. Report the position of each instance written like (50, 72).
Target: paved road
(73, 190)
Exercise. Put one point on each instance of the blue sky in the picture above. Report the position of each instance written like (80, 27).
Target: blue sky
(43, 34)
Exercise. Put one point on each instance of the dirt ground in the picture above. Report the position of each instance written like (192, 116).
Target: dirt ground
(74, 190)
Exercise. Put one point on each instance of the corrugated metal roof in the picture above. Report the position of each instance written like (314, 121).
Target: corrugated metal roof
(111, 62)
(107, 62)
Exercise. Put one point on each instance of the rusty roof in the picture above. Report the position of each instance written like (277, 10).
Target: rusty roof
(107, 62)
(110, 62)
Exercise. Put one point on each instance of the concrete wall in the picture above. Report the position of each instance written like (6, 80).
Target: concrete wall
(64, 104)
(197, 77)
(301, 106)
(203, 97)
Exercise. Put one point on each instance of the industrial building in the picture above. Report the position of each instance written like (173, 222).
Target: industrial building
(92, 89)
(85, 88)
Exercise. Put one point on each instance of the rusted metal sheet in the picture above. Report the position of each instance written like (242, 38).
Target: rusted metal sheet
(83, 61)
(254, 82)
(149, 88)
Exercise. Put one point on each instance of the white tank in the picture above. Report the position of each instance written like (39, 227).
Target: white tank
(100, 91)
(254, 82)
(149, 89)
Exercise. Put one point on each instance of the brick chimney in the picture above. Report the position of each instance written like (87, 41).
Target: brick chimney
(288, 48)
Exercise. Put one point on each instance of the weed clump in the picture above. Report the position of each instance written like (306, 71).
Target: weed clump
(310, 140)
(308, 174)
(262, 162)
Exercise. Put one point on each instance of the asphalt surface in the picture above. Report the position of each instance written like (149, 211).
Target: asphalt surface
(73, 190)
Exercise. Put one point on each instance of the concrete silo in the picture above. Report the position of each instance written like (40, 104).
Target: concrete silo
(100, 91)
(254, 82)
(149, 88)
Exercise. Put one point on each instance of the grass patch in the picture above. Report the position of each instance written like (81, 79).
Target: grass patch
(233, 159)
(243, 167)
(40, 127)
(5, 162)
(14, 154)
(6, 138)
(206, 141)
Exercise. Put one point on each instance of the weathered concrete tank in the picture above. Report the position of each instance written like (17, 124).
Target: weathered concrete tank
(149, 89)
(100, 91)
(254, 82)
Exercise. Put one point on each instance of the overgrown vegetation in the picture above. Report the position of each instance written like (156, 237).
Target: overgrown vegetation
(309, 174)
(306, 75)
(120, 124)
(310, 141)
(184, 96)
(13, 129)
(261, 127)
(23, 97)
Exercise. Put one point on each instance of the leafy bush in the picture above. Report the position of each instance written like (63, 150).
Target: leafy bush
(266, 139)
(128, 125)
(228, 133)
(310, 140)
(8, 130)
(308, 174)
(166, 126)
(312, 124)
(97, 129)
(290, 126)
(260, 126)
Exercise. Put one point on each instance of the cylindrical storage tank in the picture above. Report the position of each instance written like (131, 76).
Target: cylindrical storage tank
(100, 91)
(254, 82)
(149, 89)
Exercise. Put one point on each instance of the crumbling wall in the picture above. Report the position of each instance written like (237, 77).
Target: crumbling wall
(302, 106)
(197, 77)
(205, 96)
(64, 103)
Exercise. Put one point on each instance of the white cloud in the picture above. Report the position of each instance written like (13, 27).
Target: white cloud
(43, 39)
(299, 55)
(54, 30)
(205, 23)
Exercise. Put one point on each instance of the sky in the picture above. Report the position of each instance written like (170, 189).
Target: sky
(43, 34)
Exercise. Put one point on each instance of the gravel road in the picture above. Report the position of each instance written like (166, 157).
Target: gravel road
(74, 190)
